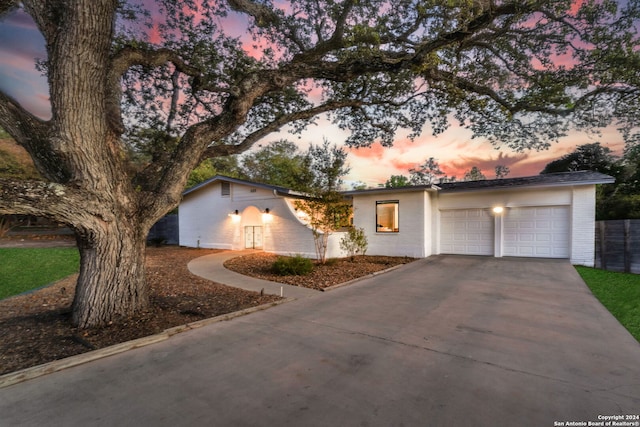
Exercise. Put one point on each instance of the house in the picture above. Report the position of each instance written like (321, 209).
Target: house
(547, 216)
(230, 213)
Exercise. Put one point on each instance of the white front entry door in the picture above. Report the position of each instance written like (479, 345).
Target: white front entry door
(253, 237)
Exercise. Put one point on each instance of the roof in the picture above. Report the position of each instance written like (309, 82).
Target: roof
(547, 180)
(544, 180)
(280, 191)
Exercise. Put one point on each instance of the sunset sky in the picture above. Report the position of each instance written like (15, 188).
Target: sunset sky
(21, 44)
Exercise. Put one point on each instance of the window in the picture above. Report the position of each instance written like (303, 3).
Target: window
(225, 189)
(387, 216)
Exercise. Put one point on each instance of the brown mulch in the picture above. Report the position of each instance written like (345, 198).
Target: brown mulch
(334, 272)
(35, 328)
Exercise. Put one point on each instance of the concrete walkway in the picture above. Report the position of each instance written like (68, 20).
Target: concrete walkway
(211, 267)
(469, 341)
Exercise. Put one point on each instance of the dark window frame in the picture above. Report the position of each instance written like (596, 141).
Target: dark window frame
(395, 227)
(225, 189)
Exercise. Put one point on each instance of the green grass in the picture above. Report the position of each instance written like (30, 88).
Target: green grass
(619, 293)
(24, 269)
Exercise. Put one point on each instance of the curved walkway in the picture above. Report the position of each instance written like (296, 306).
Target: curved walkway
(211, 267)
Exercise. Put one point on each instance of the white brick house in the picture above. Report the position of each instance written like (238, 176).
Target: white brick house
(229, 213)
(549, 216)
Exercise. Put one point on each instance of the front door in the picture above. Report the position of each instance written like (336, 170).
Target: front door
(253, 237)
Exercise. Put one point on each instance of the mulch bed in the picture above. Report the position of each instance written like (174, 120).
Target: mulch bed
(334, 272)
(36, 328)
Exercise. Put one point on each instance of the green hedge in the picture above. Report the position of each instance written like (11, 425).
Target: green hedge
(292, 266)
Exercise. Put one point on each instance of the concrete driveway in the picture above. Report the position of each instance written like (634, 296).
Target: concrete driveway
(450, 340)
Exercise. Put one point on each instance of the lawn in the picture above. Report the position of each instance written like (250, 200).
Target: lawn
(619, 293)
(24, 269)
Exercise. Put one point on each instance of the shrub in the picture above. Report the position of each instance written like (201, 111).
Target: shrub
(355, 242)
(292, 266)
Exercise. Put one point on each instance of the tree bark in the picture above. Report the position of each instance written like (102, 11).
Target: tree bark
(112, 280)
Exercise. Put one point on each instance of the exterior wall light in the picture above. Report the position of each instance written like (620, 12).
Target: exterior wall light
(235, 216)
(498, 210)
(266, 216)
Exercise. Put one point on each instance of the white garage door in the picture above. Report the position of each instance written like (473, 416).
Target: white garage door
(466, 232)
(539, 232)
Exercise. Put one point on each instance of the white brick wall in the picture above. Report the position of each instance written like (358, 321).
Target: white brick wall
(204, 221)
(413, 237)
(583, 225)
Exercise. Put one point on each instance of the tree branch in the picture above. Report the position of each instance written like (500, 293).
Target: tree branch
(17, 121)
(262, 15)
(275, 125)
(55, 201)
(130, 56)
(32, 133)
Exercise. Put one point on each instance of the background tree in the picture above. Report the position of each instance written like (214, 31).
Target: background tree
(359, 185)
(278, 163)
(427, 173)
(474, 174)
(586, 157)
(502, 171)
(227, 166)
(396, 181)
(620, 200)
(372, 68)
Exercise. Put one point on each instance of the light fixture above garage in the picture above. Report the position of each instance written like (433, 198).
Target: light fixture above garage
(498, 210)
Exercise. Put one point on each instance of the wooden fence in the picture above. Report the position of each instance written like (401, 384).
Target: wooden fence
(618, 245)
(166, 229)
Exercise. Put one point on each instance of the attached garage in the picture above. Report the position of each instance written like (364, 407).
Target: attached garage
(466, 232)
(538, 232)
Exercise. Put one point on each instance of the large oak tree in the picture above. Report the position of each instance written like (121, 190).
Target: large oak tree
(132, 116)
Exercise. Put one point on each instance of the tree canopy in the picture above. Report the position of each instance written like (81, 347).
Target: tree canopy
(620, 200)
(140, 97)
(474, 174)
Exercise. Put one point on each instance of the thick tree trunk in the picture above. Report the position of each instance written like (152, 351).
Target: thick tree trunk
(112, 275)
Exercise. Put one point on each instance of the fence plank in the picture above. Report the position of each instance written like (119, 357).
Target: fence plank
(618, 245)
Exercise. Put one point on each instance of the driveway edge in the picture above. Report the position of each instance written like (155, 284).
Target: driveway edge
(26, 374)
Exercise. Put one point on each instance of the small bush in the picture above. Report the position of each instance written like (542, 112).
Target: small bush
(292, 266)
(355, 242)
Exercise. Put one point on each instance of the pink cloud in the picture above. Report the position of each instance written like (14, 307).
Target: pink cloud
(375, 151)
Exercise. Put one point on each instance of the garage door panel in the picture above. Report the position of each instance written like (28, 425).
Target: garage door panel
(466, 232)
(541, 232)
